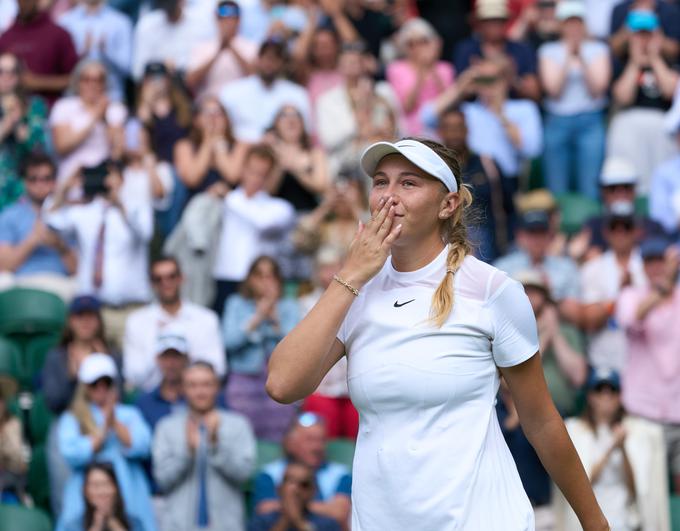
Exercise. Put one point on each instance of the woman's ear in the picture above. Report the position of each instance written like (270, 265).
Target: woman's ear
(449, 205)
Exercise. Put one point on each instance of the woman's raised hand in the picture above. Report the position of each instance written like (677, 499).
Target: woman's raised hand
(371, 245)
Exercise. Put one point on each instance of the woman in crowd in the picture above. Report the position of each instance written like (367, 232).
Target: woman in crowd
(315, 55)
(254, 321)
(14, 454)
(98, 427)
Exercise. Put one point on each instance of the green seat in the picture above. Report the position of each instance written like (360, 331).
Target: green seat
(16, 517)
(675, 512)
(267, 451)
(9, 364)
(38, 485)
(30, 311)
(642, 205)
(341, 451)
(576, 209)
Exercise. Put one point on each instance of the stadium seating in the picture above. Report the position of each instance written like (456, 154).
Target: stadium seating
(17, 518)
(576, 210)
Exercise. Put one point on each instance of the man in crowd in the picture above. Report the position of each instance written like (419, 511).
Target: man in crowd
(200, 456)
(664, 197)
(197, 326)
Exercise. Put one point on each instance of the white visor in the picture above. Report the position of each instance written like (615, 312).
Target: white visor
(417, 153)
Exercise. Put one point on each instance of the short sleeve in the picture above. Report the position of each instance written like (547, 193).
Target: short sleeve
(61, 112)
(344, 485)
(515, 335)
(7, 234)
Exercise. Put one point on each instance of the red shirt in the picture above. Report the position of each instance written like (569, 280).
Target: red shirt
(44, 47)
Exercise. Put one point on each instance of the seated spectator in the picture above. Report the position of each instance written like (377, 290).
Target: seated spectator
(305, 442)
(99, 428)
(536, 24)
(420, 76)
(252, 102)
(648, 315)
(167, 35)
(214, 64)
(254, 321)
(253, 223)
(104, 505)
(198, 327)
(575, 73)
(200, 458)
(102, 33)
(602, 280)
(22, 127)
(490, 42)
(87, 128)
(623, 457)
(664, 197)
(112, 228)
(296, 492)
(14, 453)
(29, 251)
(45, 49)
(643, 91)
(563, 359)
(561, 273)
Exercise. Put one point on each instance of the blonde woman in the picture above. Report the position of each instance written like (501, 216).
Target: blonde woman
(427, 334)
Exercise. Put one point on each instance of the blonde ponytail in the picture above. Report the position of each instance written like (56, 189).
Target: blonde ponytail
(80, 407)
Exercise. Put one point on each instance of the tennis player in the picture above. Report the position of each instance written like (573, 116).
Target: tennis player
(428, 330)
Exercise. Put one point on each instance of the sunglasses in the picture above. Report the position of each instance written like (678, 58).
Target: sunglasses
(157, 279)
(621, 225)
(40, 178)
(619, 188)
(604, 386)
(106, 381)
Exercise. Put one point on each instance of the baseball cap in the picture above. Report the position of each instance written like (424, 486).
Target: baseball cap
(618, 171)
(653, 247)
(155, 68)
(641, 20)
(417, 153)
(228, 8)
(540, 199)
(603, 376)
(570, 9)
(535, 220)
(84, 303)
(171, 342)
(275, 44)
(96, 366)
(492, 9)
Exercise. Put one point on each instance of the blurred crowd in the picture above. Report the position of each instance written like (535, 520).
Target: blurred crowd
(184, 175)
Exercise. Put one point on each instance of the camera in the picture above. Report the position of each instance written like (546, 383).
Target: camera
(93, 180)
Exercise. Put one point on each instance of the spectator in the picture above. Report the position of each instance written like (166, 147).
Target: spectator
(99, 428)
(643, 91)
(112, 228)
(197, 325)
(296, 492)
(602, 280)
(561, 273)
(575, 73)
(14, 453)
(490, 42)
(252, 102)
(45, 49)
(664, 197)
(305, 442)
(168, 34)
(102, 33)
(104, 506)
(200, 457)
(536, 24)
(253, 223)
(542, 199)
(254, 321)
(22, 128)
(623, 457)
(87, 128)
(648, 315)
(29, 251)
(214, 64)
(419, 77)
(373, 25)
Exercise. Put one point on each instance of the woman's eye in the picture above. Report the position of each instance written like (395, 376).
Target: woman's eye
(378, 182)
(408, 184)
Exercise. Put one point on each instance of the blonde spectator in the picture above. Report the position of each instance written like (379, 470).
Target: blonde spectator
(14, 453)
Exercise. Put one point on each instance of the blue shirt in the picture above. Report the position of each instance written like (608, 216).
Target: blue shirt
(265, 522)
(664, 196)
(154, 407)
(16, 223)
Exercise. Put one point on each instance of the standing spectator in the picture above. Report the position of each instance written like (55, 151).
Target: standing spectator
(28, 249)
(100, 428)
(490, 42)
(254, 321)
(200, 457)
(112, 228)
(14, 453)
(197, 325)
(45, 49)
(252, 102)
(22, 127)
(214, 64)
(575, 73)
(420, 76)
(651, 378)
(86, 127)
(642, 91)
(253, 223)
(664, 197)
(536, 24)
(102, 33)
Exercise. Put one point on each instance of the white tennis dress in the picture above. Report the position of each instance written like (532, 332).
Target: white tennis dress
(430, 454)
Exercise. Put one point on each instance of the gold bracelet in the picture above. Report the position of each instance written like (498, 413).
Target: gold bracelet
(354, 291)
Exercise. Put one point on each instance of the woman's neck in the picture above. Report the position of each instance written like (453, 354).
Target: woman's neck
(413, 257)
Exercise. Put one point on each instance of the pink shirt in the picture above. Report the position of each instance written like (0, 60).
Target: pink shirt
(651, 377)
(402, 77)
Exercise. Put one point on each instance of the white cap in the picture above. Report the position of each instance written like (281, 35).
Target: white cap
(96, 366)
(172, 337)
(570, 9)
(617, 171)
(417, 153)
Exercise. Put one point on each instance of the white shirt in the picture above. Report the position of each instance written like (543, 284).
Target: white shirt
(601, 282)
(252, 106)
(251, 226)
(199, 326)
(430, 453)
